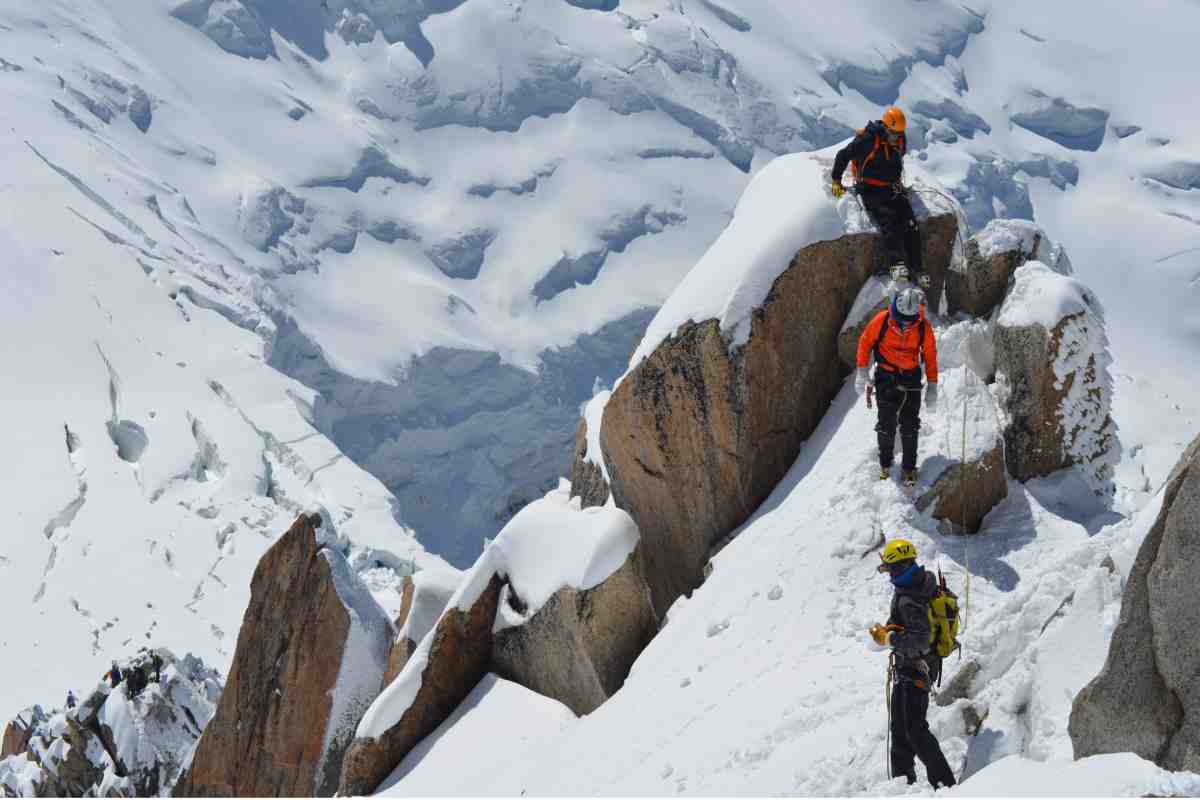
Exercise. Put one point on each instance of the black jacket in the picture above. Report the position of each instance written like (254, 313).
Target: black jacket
(910, 609)
(886, 165)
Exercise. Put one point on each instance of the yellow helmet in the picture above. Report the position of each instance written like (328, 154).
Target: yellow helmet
(898, 550)
(893, 119)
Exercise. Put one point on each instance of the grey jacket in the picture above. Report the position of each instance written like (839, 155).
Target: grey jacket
(910, 609)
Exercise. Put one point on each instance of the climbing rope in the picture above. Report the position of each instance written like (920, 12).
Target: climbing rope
(887, 699)
(963, 501)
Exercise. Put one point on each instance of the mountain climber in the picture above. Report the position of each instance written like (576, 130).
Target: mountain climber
(70, 699)
(899, 338)
(914, 665)
(114, 675)
(876, 156)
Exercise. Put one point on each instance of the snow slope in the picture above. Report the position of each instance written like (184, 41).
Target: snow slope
(255, 247)
(764, 681)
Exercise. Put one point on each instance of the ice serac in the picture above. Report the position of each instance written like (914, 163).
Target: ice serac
(700, 431)
(1052, 365)
(310, 658)
(578, 648)
(451, 660)
(1147, 698)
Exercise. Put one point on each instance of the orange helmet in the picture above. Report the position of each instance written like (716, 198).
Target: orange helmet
(894, 120)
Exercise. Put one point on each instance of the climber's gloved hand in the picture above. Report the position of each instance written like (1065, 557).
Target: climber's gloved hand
(880, 634)
(837, 188)
(931, 394)
(862, 379)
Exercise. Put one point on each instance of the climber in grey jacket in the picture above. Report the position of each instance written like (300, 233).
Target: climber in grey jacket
(915, 665)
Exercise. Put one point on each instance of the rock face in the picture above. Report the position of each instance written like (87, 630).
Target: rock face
(982, 481)
(458, 658)
(403, 646)
(1055, 385)
(587, 479)
(1147, 697)
(19, 730)
(696, 437)
(872, 299)
(291, 703)
(991, 257)
(423, 598)
(973, 470)
(579, 646)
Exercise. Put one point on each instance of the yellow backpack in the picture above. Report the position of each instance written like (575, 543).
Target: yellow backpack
(943, 620)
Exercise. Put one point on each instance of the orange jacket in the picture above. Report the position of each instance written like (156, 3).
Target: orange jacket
(899, 348)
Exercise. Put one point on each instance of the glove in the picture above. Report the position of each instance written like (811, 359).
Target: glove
(882, 634)
(931, 394)
(862, 379)
(837, 188)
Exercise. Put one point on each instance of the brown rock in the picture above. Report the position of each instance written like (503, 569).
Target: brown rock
(1146, 699)
(872, 299)
(579, 646)
(459, 654)
(75, 773)
(283, 700)
(961, 686)
(402, 647)
(1052, 422)
(982, 483)
(979, 287)
(696, 437)
(587, 479)
(19, 730)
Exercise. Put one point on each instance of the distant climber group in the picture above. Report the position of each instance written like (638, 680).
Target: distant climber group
(144, 668)
(876, 159)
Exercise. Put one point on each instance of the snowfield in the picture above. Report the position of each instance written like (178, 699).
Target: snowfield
(372, 259)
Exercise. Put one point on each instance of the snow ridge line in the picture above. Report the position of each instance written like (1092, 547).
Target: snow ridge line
(96, 198)
(63, 519)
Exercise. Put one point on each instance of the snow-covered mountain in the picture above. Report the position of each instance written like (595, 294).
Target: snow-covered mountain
(370, 258)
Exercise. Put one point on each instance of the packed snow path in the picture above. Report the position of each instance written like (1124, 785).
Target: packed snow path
(763, 682)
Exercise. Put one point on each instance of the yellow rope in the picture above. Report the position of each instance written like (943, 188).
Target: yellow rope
(966, 536)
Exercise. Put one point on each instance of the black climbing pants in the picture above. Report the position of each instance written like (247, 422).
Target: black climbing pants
(901, 406)
(893, 215)
(911, 736)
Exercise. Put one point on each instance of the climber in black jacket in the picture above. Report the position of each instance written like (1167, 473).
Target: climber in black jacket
(876, 155)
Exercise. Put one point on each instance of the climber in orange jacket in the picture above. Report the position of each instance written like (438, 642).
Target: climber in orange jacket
(899, 338)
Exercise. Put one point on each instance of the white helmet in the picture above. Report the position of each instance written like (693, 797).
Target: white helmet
(908, 302)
